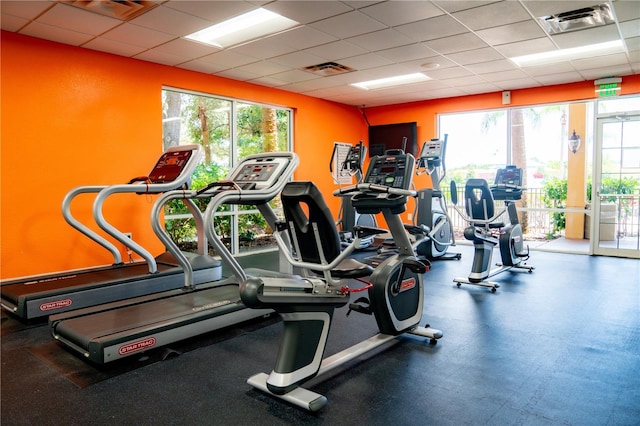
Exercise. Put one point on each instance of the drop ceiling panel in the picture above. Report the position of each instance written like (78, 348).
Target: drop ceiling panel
(461, 44)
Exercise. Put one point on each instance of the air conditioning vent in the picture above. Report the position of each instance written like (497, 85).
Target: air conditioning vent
(124, 10)
(579, 19)
(327, 69)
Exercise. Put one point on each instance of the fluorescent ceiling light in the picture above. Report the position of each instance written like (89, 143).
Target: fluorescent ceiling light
(563, 55)
(398, 80)
(250, 26)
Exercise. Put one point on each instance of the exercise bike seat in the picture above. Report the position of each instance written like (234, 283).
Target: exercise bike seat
(298, 197)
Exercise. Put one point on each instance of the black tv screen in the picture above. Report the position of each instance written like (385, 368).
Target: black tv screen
(389, 136)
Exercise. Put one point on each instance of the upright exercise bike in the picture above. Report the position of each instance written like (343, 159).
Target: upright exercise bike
(431, 208)
(348, 217)
(307, 303)
(486, 231)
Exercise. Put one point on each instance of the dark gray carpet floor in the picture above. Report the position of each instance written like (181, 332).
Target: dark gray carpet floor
(558, 346)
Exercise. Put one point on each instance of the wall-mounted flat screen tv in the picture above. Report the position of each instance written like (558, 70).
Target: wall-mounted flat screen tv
(389, 136)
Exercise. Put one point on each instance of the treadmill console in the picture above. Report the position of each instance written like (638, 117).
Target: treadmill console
(259, 173)
(394, 171)
(170, 166)
(508, 184)
(432, 150)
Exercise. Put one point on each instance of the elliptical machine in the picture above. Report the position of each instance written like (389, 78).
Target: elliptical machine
(486, 232)
(431, 208)
(307, 303)
(349, 218)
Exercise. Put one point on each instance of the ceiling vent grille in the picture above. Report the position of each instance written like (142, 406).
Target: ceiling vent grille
(579, 19)
(327, 69)
(124, 10)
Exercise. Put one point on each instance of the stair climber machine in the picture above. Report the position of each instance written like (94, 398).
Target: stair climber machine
(306, 304)
(431, 215)
(432, 230)
(350, 167)
(486, 231)
(114, 331)
(39, 296)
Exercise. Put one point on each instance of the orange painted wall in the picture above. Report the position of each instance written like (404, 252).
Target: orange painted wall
(73, 116)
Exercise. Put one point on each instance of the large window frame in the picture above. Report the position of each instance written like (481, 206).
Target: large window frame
(233, 130)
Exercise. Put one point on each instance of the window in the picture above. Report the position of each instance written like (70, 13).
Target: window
(228, 130)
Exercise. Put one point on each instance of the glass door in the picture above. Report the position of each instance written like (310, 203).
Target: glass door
(615, 192)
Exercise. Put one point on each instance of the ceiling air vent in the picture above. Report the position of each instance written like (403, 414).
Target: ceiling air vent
(573, 20)
(327, 69)
(119, 9)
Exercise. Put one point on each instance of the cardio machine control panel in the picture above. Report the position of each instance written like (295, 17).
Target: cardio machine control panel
(507, 184)
(169, 166)
(391, 170)
(259, 173)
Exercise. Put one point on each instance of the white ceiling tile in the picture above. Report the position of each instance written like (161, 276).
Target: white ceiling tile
(492, 15)
(184, 47)
(560, 78)
(476, 88)
(475, 56)
(264, 68)
(236, 74)
(302, 38)
(408, 53)
(137, 35)
(308, 11)
(633, 44)
(522, 83)
(456, 43)
(433, 28)
(161, 57)
(401, 12)
(61, 35)
(363, 62)
(12, 23)
(596, 73)
(379, 40)
(268, 81)
(543, 8)
(464, 81)
(586, 37)
(600, 61)
(540, 70)
(228, 59)
(504, 75)
(263, 49)
(528, 47)
(298, 60)
(456, 6)
(511, 33)
(79, 20)
(630, 28)
(202, 66)
(447, 73)
(349, 24)
(212, 11)
(112, 46)
(294, 76)
(336, 50)
(171, 21)
(24, 9)
(627, 10)
(492, 67)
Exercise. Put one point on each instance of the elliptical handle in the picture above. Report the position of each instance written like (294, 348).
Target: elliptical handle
(454, 192)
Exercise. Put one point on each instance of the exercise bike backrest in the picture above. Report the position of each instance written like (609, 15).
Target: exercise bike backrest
(479, 203)
(313, 232)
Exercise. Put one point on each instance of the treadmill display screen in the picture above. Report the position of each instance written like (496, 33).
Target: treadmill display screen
(169, 166)
(263, 173)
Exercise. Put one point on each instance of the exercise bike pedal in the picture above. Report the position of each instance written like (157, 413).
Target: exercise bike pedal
(357, 307)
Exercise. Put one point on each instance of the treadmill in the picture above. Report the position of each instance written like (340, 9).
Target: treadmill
(110, 332)
(37, 296)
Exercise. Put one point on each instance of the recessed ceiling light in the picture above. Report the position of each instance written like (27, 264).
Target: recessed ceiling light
(397, 80)
(249, 26)
(563, 55)
(430, 66)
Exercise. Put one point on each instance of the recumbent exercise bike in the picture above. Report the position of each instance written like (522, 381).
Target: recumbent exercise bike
(486, 231)
(307, 303)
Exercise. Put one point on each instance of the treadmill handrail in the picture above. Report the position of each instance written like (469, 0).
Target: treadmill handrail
(237, 195)
(82, 228)
(142, 188)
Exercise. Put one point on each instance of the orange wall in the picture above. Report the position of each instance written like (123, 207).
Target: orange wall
(73, 116)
